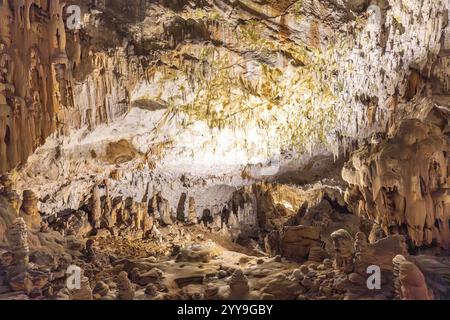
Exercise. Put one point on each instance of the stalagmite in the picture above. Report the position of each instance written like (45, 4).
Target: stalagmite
(217, 149)
(181, 208)
(85, 291)
(30, 208)
(108, 220)
(192, 212)
(18, 240)
(344, 250)
(124, 286)
(239, 285)
(96, 208)
(410, 282)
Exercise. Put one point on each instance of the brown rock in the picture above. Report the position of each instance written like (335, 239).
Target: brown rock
(124, 287)
(18, 240)
(239, 285)
(30, 208)
(344, 250)
(192, 212)
(296, 242)
(410, 281)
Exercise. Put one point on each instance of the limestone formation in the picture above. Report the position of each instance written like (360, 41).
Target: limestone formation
(211, 292)
(151, 290)
(38, 87)
(144, 278)
(14, 200)
(159, 209)
(376, 233)
(192, 211)
(101, 289)
(207, 218)
(343, 250)
(138, 215)
(296, 242)
(96, 208)
(85, 291)
(218, 149)
(239, 285)
(317, 254)
(30, 208)
(147, 221)
(379, 253)
(109, 217)
(436, 271)
(18, 240)
(72, 222)
(30, 203)
(410, 282)
(89, 251)
(124, 287)
(402, 182)
(181, 216)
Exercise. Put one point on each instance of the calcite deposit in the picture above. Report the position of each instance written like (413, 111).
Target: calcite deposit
(223, 150)
(401, 183)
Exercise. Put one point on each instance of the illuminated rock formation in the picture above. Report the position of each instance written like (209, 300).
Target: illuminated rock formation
(96, 208)
(147, 117)
(181, 216)
(33, 89)
(85, 291)
(296, 242)
(378, 254)
(401, 183)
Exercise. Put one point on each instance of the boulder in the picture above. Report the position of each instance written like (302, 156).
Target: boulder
(297, 241)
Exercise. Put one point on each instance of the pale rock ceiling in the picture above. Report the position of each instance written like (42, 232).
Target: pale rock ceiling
(158, 89)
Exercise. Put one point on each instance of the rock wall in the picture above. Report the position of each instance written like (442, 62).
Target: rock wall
(35, 77)
(401, 183)
(53, 78)
(399, 179)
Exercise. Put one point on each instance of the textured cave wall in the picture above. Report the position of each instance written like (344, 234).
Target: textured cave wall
(34, 77)
(266, 78)
(235, 64)
(400, 180)
(402, 183)
(52, 80)
(251, 66)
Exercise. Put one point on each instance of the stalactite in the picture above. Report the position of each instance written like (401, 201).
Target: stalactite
(401, 183)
